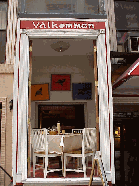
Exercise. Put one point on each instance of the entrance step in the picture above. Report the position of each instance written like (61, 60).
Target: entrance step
(61, 181)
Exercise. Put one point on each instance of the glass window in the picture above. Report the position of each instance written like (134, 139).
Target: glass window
(2, 45)
(59, 6)
(117, 137)
(3, 22)
(134, 44)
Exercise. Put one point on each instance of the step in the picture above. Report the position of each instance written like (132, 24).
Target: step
(61, 181)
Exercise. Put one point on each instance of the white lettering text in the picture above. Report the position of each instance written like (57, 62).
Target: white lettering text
(54, 25)
(77, 25)
(36, 26)
(91, 25)
(84, 26)
(68, 25)
(43, 25)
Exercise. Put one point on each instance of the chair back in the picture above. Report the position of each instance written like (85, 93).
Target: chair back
(89, 139)
(38, 139)
(77, 131)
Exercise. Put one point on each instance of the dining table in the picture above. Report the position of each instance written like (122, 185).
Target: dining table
(64, 143)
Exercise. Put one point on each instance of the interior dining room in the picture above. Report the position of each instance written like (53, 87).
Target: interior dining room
(62, 92)
(62, 58)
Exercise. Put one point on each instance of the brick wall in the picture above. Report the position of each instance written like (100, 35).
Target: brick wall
(6, 89)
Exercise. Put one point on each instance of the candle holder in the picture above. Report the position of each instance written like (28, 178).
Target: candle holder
(58, 127)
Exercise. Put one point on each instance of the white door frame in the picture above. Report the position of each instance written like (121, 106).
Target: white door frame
(57, 33)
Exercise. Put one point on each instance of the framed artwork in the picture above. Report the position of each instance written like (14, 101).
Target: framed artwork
(82, 91)
(60, 82)
(40, 92)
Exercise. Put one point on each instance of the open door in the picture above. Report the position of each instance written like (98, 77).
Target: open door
(20, 110)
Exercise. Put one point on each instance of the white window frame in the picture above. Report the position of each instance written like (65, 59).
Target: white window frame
(88, 34)
(138, 44)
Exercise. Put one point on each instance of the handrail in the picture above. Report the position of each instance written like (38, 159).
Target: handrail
(102, 173)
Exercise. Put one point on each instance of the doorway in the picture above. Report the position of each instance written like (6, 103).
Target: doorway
(126, 144)
(70, 116)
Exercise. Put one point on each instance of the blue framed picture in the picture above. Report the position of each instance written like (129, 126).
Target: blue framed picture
(82, 91)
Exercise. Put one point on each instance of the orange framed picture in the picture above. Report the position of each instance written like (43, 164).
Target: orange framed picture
(40, 92)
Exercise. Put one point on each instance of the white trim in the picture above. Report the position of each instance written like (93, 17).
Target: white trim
(108, 173)
(91, 34)
(18, 178)
(133, 69)
(64, 19)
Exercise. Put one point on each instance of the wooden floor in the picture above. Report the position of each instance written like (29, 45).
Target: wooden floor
(39, 173)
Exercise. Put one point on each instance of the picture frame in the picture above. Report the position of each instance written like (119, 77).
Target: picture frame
(82, 91)
(40, 92)
(60, 82)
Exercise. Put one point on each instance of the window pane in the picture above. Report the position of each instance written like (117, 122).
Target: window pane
(59, 6)
(91, 7)
(2, 46)
(3, 12)
(134, 44)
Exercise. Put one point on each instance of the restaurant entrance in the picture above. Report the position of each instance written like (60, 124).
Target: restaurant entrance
(42, 60)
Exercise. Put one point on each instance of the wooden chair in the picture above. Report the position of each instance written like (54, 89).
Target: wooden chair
(77, 131)
(88, 149)
(40, 149)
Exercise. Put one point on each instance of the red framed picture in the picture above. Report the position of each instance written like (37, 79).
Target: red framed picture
(60, 82)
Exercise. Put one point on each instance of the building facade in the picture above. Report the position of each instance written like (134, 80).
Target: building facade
(69, 34)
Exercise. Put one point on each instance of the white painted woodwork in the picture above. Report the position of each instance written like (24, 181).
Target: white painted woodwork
(105, 104)
(23, 104)
(11, 31)
(21, 97)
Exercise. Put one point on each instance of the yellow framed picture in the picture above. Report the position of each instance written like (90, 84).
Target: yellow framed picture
(40, 92)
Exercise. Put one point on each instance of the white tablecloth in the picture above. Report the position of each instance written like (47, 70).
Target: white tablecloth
(64, 143)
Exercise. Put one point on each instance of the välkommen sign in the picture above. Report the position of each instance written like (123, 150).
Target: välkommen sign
(41, 24)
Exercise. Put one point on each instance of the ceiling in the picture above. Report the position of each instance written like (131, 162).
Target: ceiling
(42, 47)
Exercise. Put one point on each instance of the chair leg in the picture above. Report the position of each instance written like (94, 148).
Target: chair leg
(65, 165)
(84, 166)
(62, 161)
(43, 162)
(46, 167)
(87, 161)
